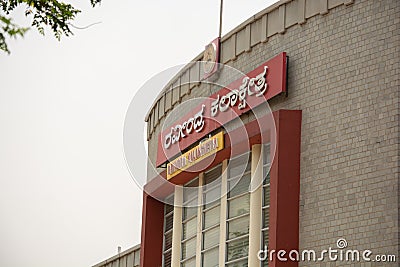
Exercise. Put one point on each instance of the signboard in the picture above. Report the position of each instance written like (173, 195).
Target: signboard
(211, 58)
(195, 155)
(259, 85)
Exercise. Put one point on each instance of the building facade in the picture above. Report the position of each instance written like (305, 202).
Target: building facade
(127, 258)
(326, 159)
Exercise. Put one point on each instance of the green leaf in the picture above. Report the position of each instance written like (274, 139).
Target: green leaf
(52, 13)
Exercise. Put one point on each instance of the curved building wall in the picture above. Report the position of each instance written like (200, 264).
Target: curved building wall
(344, 75)
(127, 258)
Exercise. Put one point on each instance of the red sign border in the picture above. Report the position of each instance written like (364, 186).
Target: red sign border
(277, 81)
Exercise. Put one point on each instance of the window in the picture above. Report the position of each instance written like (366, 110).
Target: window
(189, 263)
(211, 217)
(189, 223)
(237, 240)
(266, 203)
(237, 215)
(167, 242)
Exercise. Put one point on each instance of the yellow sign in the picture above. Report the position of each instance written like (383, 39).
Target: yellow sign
(196, 154)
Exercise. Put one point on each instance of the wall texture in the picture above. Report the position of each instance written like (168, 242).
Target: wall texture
(344, 66)
(127, 258)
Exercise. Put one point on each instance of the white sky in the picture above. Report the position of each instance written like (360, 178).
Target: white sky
(66, 196)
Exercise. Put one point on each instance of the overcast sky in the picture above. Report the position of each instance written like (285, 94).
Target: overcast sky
(66, 196)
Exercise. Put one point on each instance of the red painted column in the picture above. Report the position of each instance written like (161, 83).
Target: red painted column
(152, 232)
(285, 187)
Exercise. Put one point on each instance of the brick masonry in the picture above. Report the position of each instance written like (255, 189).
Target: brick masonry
(343, 74)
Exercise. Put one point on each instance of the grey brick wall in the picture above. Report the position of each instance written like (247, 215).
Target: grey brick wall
(344, 75)
(344, 71)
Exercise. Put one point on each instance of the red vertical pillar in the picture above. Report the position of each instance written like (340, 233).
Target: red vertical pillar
(285, 187)
(152, 232)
